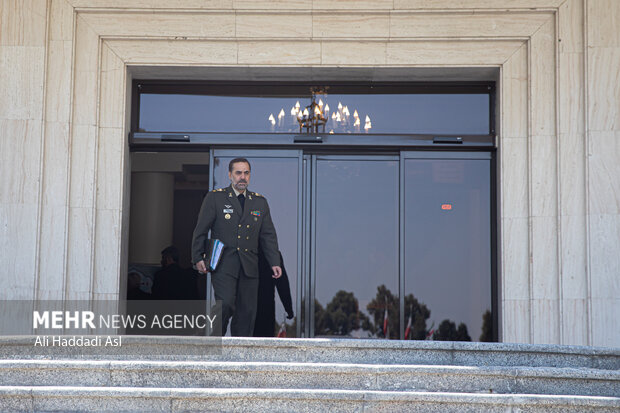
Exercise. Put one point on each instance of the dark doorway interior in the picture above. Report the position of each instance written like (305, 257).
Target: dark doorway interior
(167, 191)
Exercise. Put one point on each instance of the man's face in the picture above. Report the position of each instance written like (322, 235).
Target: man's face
(240, 176)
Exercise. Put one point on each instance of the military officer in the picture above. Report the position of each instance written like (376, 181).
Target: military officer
(242, 221)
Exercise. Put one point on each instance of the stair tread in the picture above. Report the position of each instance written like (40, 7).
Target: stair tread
(335, 351)
(318, 367)
(55, 398)
(274, 392)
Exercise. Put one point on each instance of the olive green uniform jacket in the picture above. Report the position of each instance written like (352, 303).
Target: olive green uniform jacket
(240, 231)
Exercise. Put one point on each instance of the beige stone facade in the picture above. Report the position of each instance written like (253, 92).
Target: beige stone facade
(65, 74)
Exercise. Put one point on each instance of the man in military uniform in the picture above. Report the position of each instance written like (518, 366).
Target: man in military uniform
(242, 221)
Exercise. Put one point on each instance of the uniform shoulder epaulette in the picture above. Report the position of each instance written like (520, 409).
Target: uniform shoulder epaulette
(218, 190)
(257, 194)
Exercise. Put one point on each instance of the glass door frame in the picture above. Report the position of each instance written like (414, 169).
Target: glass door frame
(306, 223)
(268, 153)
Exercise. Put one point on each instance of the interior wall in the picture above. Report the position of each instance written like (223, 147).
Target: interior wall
(166, 188)
(151, 218)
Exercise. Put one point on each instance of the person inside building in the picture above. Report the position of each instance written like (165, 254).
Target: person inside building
(134, 292)
(173, 282)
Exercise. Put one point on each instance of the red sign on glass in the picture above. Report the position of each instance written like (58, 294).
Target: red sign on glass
(446, 207)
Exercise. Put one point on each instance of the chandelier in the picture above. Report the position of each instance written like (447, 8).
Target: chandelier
(318, 116)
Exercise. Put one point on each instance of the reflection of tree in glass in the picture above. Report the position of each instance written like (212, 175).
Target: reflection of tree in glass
(341, 317)
(421, 313)
(320, 320)
(487, 327)
(447, 331)
(376, 309)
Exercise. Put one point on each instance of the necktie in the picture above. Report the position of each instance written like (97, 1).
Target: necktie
(241, 199)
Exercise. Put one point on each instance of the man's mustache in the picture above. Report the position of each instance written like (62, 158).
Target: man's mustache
(242, 182)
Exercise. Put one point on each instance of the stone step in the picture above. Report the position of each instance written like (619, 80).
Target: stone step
(127, 399)
(287, 375)
(328, 350)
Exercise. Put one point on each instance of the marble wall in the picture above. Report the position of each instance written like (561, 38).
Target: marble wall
(65, 67)
(602, 126)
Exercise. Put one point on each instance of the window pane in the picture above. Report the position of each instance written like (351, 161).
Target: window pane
(377, 113)
(448, 244)
(356, 248)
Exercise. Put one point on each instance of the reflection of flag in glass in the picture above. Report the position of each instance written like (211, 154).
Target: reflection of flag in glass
(282, 332)
(429, 335)
(386, 327)
(408, 329)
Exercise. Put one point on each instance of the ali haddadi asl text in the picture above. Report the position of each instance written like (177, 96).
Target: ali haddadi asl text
(78, 341)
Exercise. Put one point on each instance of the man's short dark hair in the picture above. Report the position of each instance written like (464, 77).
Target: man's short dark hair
(172, 252)
(237, 160)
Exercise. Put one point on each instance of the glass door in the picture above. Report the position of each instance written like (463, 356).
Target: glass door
(446, 251)
(277, 175)
(380, 246)
(354, 246)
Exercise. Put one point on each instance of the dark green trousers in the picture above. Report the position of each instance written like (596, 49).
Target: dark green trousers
(237, 295)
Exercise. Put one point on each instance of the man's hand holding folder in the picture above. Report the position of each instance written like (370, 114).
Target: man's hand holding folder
(211, 256)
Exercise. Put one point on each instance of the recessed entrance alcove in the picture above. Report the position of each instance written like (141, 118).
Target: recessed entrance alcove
(418, 244)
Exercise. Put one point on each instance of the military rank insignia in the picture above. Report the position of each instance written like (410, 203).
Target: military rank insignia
(255, 213)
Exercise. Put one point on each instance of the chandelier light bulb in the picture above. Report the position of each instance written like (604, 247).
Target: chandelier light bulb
(316, 115)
